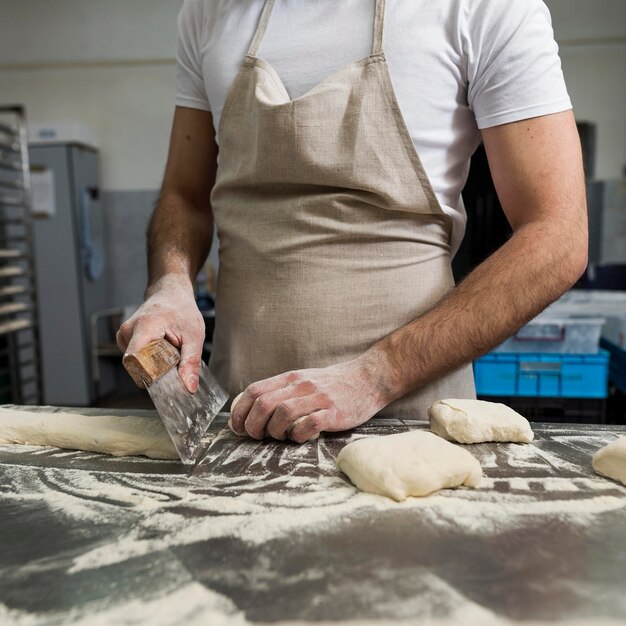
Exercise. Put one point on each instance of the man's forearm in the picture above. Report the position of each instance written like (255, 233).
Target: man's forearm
(179, 238)
(507, 290)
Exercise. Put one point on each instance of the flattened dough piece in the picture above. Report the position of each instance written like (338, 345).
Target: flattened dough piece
(610, 461)
(408, 464)
(477, 421)
(110, 434)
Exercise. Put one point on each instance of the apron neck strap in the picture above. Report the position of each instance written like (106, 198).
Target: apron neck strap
(261, 27)
(379, 23)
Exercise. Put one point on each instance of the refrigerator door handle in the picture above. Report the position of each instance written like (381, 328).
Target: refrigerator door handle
(92, 252)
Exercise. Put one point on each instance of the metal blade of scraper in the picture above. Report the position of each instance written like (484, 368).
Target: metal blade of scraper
(186, 415)
(201, 456)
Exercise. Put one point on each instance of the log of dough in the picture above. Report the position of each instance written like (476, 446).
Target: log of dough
(610, 461)
(244, 434)
(476, 421)
(111, 434)
(415, 463)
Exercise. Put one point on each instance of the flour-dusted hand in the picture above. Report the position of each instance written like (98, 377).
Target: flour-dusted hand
(301, 404)
(169, 312)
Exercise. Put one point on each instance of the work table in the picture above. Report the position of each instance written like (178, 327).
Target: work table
(271, 532)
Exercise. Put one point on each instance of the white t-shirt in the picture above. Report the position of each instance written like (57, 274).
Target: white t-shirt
(456, 66)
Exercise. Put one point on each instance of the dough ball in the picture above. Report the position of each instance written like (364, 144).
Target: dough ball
(415, 463)
(610, 461)
(476, 421)
(233, 404)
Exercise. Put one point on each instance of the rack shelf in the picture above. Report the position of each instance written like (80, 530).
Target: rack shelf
(14, 148)
(12, 290)
(11, 327)
(8, 201)
(11, 131)
(20, 369)
(12, 184)
(10, 165)
(10, 253)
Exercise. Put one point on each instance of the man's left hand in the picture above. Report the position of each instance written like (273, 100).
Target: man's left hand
(300, 404)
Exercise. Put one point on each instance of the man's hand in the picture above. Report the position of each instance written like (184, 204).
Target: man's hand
(179, 240)
(301, 404)
(169, 312)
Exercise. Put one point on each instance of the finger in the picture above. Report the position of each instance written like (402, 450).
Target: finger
(290, 411)
(230, 425)
(310, 426)
(250, 394)
(263, 409)
(143, 333)
(121, 340)
(124, 334)
(190, 361)
(233, 404)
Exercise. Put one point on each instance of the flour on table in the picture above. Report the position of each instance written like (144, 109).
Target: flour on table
(610, 461)
(261, 506)
(119, 435)
(477, 421)
(415, 463)
(192, 605)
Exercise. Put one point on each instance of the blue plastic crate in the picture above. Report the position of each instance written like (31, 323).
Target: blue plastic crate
(543, 375)
(617, 367)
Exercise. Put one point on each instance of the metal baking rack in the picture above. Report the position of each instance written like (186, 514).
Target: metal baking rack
(20, 371)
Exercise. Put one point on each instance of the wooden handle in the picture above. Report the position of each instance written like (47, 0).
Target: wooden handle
(151, 362)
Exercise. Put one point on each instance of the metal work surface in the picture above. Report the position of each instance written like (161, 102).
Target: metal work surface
(272, 532)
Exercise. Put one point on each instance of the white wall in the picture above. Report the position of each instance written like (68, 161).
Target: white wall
(592, 39)
(596, 80)
(108, 64)
(38, 31)
(129, 109)
(111, 65)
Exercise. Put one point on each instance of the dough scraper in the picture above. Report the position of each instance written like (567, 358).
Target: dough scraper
(186, 415)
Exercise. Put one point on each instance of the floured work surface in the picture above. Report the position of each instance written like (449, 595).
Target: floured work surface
(271, 532)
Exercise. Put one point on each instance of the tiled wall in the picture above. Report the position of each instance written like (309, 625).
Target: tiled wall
(127, 214)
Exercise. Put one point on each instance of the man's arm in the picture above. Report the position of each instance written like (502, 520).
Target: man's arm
(179, 239)
(537, 169)
(536, 166)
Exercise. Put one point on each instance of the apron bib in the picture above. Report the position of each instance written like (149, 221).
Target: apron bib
(331, 236)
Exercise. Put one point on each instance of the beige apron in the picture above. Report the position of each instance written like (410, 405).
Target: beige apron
(331, 236)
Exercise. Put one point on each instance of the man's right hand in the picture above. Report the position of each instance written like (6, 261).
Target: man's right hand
(169, 312)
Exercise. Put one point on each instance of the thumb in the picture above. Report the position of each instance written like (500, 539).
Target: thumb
(143, 335)
(190, 361)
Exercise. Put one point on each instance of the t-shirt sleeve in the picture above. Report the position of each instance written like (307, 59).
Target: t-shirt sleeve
(190, 91)
(513, 65)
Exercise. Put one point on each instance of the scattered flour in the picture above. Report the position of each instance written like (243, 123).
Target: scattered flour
(313, 505)
(488, 460)
(192, 605)
(530, 456)
(519, 484)
(255, 495)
